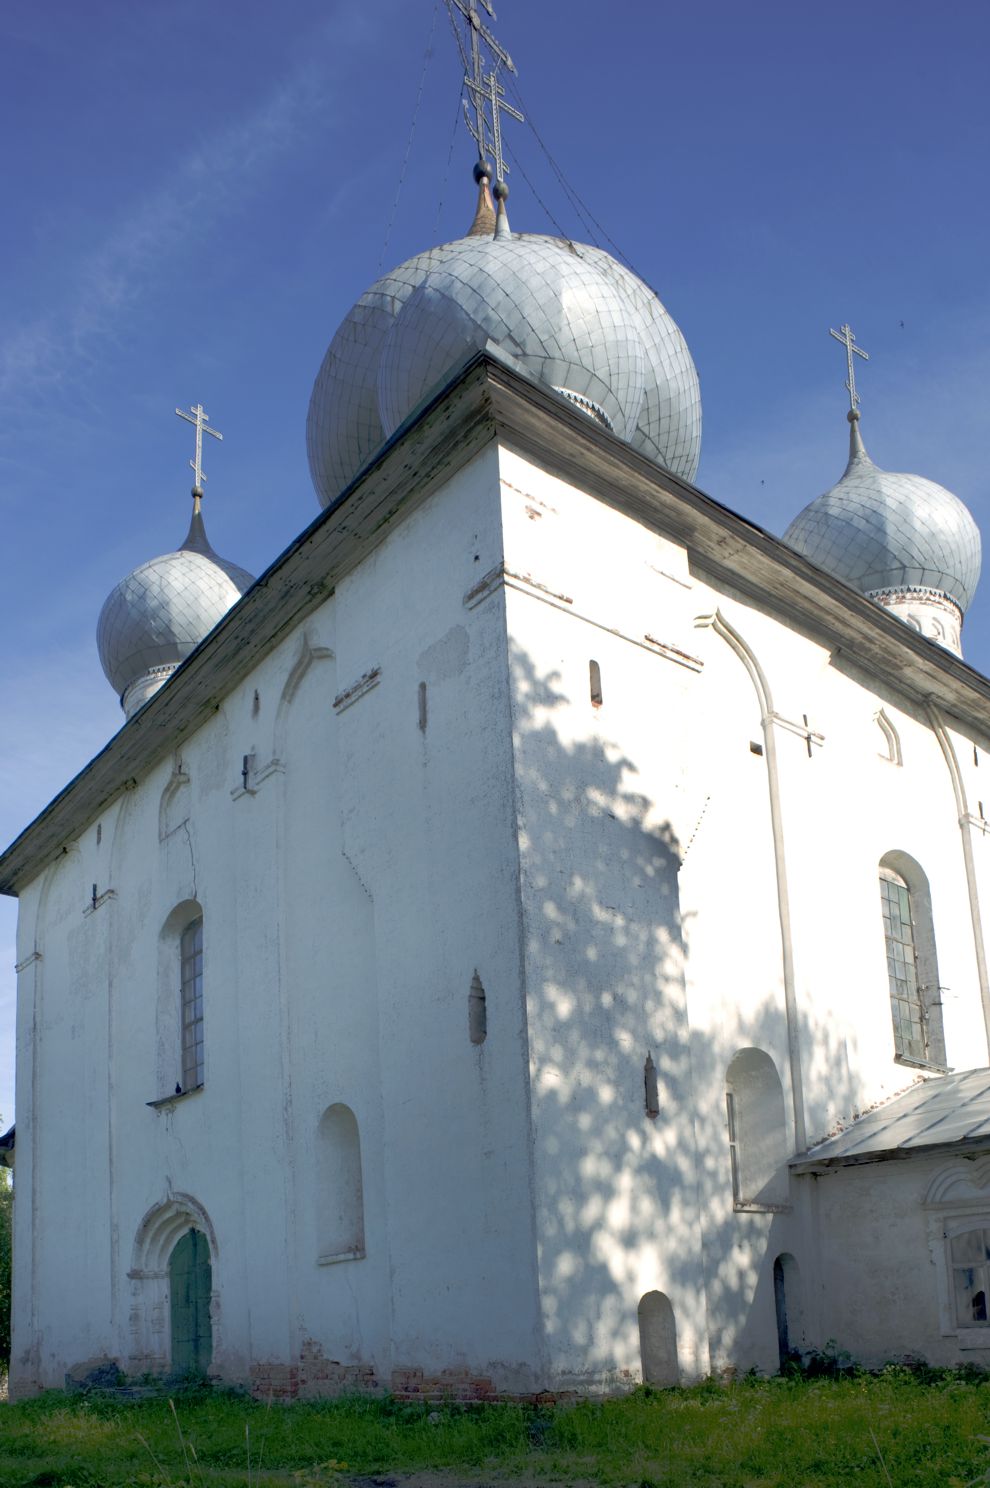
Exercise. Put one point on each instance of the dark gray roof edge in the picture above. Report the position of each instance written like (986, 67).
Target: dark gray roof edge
(486, 398)
(964, 1147)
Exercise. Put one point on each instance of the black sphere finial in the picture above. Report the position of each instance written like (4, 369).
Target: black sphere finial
(500, 191)
(483, 171)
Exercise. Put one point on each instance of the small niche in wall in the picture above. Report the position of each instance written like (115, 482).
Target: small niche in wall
(422, 707)
(595, 681)
(339, 1187)
(755, 747)
(650, 1088)
(477, 1011)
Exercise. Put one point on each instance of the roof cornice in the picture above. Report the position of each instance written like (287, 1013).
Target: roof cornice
(485, 400)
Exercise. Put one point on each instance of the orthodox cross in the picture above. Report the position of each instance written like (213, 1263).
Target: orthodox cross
(485, 90)
(848, 340)
(200, 419)
(496, 94)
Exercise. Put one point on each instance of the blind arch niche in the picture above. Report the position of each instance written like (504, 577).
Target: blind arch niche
(339, 1187)
(754, 1100)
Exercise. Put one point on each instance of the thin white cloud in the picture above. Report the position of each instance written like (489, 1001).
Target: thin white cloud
(180, 210)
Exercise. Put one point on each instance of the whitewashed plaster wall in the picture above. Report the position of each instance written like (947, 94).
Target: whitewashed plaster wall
(653, 920)
(349, 893)
(610, 872)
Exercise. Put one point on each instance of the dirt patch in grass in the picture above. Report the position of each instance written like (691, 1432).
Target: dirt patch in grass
(457, 1480)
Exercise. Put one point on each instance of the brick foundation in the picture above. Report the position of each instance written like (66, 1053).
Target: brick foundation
(315, 1377)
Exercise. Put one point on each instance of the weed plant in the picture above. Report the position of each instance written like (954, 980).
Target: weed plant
(902, 1428)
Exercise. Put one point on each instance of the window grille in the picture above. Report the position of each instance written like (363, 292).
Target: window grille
(730, 1110)
(191, 950)
(970, 1257)
(907, 1004)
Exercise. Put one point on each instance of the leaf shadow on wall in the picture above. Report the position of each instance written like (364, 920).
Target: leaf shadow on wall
(626, 1204)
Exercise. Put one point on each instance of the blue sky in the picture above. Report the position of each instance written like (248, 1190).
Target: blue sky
(196, 193)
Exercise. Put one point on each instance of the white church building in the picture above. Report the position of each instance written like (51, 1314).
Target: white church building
(532, 938)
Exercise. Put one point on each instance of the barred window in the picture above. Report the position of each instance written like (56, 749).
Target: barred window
(970, 1259)
(191, 950)
(912, 972)
(902, 967)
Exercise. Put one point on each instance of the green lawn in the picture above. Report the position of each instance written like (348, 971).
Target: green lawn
(871, 1432)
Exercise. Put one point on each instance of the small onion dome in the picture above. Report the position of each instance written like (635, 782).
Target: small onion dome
(155, 617)
(566, 314)
(891, 536)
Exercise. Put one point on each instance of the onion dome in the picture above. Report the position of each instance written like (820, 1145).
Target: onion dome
(904, 541)
(565, 314)
(155, 617)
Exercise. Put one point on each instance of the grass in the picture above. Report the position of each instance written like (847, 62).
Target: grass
(894, 1430)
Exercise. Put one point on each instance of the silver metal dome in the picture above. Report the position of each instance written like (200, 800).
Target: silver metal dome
(881, 531)
(566, 313)
(158, 615)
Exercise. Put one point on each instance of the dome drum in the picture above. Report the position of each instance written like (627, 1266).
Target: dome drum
(928, 611)
(142, 688)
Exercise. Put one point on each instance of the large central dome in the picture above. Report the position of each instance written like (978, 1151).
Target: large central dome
(568, 315)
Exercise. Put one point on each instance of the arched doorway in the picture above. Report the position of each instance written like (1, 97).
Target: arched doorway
(190, 1284)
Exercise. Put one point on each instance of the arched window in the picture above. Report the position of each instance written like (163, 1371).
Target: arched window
(912, 969)
(754, 1102)
(969, 1256)
(179, 1017)
(191, 1000)
(340, 1191)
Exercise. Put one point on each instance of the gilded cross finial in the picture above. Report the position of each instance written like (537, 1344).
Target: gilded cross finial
(848, 340)
(483, 114)
(200, 419)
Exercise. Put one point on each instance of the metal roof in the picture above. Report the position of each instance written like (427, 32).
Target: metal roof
(487, 400)
(566, 314)
(945, 1111)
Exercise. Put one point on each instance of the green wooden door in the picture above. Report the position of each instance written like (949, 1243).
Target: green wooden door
(190, 1278)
